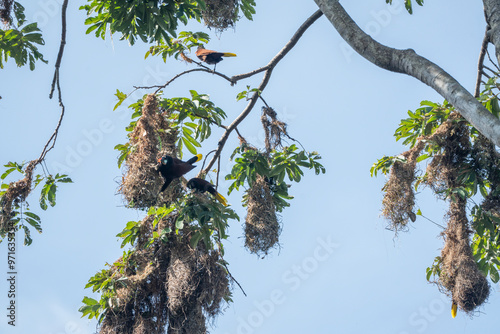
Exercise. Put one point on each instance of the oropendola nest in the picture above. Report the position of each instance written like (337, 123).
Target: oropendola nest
(151, 138)
(459, 275)
(274, 129)
(168, 285)
(220, 14)
(15, 194)
(5, 10)
(262, 228)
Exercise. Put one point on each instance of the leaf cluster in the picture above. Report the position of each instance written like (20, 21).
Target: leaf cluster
(274, 168)
(150, 21)
(186, 41)
(408, 4)
(20, 45)
(22, 218)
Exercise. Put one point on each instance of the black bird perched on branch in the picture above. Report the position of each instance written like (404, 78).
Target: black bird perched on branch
(171, 168)
(203, 185)
(212, 57)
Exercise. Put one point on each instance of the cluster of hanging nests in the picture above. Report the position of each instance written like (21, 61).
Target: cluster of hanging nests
(174, 287)
(459, 276)
(16, 193)
(167, 284)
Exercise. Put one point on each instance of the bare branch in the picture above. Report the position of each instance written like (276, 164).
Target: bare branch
(409, 62)
(263, 84)
(480, 63)
(55, 84)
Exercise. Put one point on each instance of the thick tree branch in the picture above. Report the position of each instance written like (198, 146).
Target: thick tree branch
(492, 13)
(409, 62)
(262, 86)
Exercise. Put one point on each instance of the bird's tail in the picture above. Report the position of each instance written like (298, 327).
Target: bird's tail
(221, 199)
(229, 54)
(195, 159)
(453, 310)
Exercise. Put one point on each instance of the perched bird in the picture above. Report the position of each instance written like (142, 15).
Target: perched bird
(171, 168)
(212, 57)
(453, 310)
(203, 185)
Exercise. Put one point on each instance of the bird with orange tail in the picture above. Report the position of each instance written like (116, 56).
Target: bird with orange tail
(205, 186)
(212, 57)
(171, 168)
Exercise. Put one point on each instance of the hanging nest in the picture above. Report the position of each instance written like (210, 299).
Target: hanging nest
(399, 197)
(15, 194)
(262, 229)
(460, 276)
(220, 14)
(5, 10)
(273, 128)
(151, 138)
(174, 287)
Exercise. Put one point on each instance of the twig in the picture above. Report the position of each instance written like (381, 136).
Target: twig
(491, 60)
(232, 277)
(55, 83)
(480, 63)
(263, 84)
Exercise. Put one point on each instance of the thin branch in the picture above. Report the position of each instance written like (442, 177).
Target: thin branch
(480, 63)
(409, 62)
(232, 277)
(491, 60)
(238, 77)
(263, 84)
(56, 84)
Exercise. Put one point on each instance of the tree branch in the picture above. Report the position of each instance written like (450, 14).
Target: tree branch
(409, 62)
(492, 13)
(480, 63)
(55, 84)
(262, 86)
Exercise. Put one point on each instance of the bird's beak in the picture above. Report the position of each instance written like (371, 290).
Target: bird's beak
(159, 160)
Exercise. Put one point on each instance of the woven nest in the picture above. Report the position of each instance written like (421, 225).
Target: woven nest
(173, 289)
(460, 276)
(5, 10)
(220, 14)
(15, 194)
(399, 197)
(273, 128)
(262, 229)
(151, 138)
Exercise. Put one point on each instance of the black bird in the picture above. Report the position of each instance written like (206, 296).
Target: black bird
(203, 185)
(171, 168)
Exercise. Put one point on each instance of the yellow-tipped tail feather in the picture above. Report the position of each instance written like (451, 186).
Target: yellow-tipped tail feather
(453, 310)
(229, 54)
(221, 199)
(199, 156)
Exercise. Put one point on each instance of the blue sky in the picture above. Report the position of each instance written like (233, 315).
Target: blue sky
(338, 270)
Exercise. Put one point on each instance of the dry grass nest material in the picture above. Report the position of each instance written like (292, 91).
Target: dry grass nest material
(399, 198)
(274, 129)
(174, 287)
(15, 194)
(5, 10)
(220, 14)
(262, 228)
(460, 276)
(151, 138)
